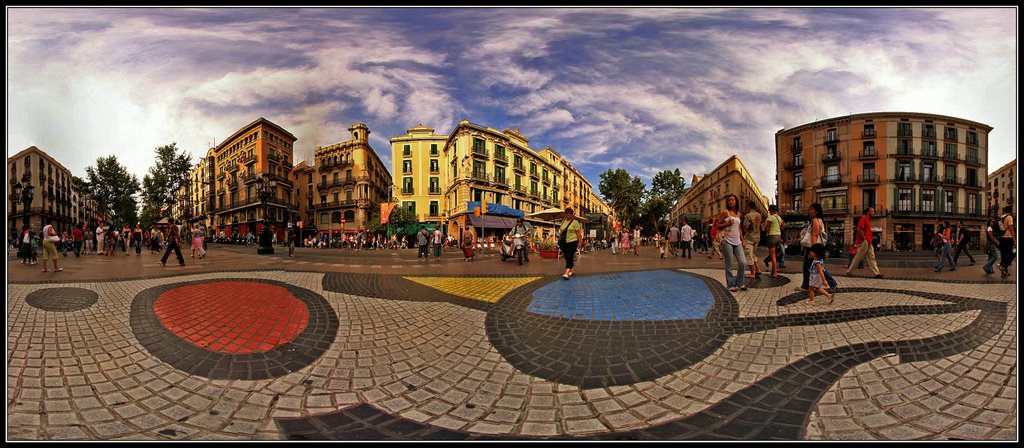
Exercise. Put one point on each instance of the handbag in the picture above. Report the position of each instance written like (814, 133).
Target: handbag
(805, 236)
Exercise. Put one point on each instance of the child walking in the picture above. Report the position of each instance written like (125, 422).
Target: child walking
(817, 274)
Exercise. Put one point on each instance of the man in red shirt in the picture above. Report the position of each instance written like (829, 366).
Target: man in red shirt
(76, 238)
(865, 250)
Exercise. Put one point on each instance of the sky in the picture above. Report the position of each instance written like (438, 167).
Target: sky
(642, 89)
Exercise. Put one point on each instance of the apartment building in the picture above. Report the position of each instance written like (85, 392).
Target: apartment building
(913, 168)
(351, 182)
(53, 194)
(1001, 189)
(705, 197)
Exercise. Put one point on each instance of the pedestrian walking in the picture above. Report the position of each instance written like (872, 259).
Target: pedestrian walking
(673, 239)
(715, 241)
(686, 240)
(173, 244)
(27, 254)
(1007, 234)
(817, 275)
(991, 247)
(569, 235)
(728, 223)
(865, 250)
(817, 230)
(100, 240)
(49, 249)
(137, 239)
(962, 240)
(773, 231)
(422, 238)
(751, 238)
(437, 240)
(76, 240)
(636, 239)
(289, 240)
(197, 241)
(945, 249)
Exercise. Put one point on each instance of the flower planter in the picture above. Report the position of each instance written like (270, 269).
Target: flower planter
(549, 253)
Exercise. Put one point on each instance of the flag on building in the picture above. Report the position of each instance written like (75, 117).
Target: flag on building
(385, 211)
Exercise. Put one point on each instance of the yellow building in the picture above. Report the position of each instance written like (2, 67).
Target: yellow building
(913, 168)
(1002, 189)
(52, 193)
(351, 182)
(705, 198)
(418, 179)
(239, 168)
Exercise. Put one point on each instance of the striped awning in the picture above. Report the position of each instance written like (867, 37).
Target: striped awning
(492, 222)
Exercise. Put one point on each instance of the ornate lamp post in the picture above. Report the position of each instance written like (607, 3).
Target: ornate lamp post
(23, 193)
(266, 186)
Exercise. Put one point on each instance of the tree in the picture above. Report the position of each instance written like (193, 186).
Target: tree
(170, 172)
(402, 218)
(622, 194)
(668, 185)
(114, 190)
(652, 214)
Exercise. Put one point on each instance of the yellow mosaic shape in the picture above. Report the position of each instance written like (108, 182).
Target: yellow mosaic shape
(486, 289)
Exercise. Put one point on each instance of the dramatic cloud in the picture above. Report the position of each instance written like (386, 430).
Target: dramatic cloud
(645, 89)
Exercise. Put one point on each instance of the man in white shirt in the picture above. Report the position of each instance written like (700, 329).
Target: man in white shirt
(438, 241)
(686, 235)
(99, 239)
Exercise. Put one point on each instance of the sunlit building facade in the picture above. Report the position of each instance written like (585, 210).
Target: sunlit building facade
(705, 197)
(53, 193)
(913, 168)
(418, 179)
(350, 183)
(1002, 189)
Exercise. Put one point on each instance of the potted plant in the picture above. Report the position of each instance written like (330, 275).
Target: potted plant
(548, 248)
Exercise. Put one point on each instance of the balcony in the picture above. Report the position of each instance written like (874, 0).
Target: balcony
(406, 154)
(831, 157)
(500, 180)
(796, 146)
(519, 167)
(480, 176)
(793, 188)
(928, 133)
(905, 179)
(867, 179)
(831, 137)
(435, 170)
(974, 183)
(905, 152)
(233, 184)
(949, 135)
(407, 170)
(866, 155)
(534, 174)
(951, 156)
(546, 180)
(836, 209)
(500, 157)
(831, 181)
(929, 153)
(408, 189)
(434, 190)
(952, 181)
(795, 165)
(972, 160)
(929, 179)
(480, 152)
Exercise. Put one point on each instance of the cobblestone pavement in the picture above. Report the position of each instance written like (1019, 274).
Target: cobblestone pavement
(240, 347)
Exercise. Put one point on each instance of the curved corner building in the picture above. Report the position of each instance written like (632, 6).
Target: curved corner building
(914, 168)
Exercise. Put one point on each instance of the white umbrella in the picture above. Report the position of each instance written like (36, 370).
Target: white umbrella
(552, 214)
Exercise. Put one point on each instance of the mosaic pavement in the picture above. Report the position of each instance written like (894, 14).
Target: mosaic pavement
(645, 355)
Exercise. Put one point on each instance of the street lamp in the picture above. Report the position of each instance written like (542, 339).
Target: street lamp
(266, 186)
(23, 192)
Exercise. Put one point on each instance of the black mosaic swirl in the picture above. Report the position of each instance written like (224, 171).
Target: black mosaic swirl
(764, 281)
(593, 353)
(310, 344)
(62, 299)
(777, 407)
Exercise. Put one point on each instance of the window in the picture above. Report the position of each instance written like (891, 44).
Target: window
(348, 195)
(972, 204)
(869, 148)
(972, 177)
(324, 218)
(499, 174)
(869, 130)
(798, 159)
(479, 145)
(904, 129)
(335, 196)
(950, 201)
(869, 171)
(832, 173)
(798, 180)
(409, 205)
(407, 166)
(533, 187)
(930, 148)
(350, 216)
(519, 182)
(929, 130)
(348, 174)
(928, 200)
(499, 152)
(479, 169)
(796, 144)
(927, 172)
(434, 168)
(972, 138)
(407, 150)
(951, 133)
(407, 185)
(950, 173)
(435, 185)
(972, 155)
(798, 203)
(831, 135)
(435, 209)
(950, 151)
(903, 172)
(903, 199)
(868, 196)
(904, 147)
(433, 149)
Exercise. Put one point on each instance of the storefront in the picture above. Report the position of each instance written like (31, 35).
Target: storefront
(903, 237)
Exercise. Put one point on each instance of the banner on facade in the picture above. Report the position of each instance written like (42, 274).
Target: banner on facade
(385, 211)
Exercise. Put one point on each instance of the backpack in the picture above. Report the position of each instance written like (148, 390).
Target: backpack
(999, 231)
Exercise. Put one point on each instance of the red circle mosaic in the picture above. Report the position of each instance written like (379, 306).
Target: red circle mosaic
(232, 317)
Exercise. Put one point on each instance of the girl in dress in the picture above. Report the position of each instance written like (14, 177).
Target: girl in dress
(816, 280)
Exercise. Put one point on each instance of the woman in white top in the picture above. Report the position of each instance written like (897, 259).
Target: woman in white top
(99, 240)
(732, 245)
(49, 249)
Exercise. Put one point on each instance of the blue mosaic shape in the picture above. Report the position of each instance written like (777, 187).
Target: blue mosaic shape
(644, 296)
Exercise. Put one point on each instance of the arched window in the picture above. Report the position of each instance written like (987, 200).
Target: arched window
(323, 218)
(336, 217)
(350, 215)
